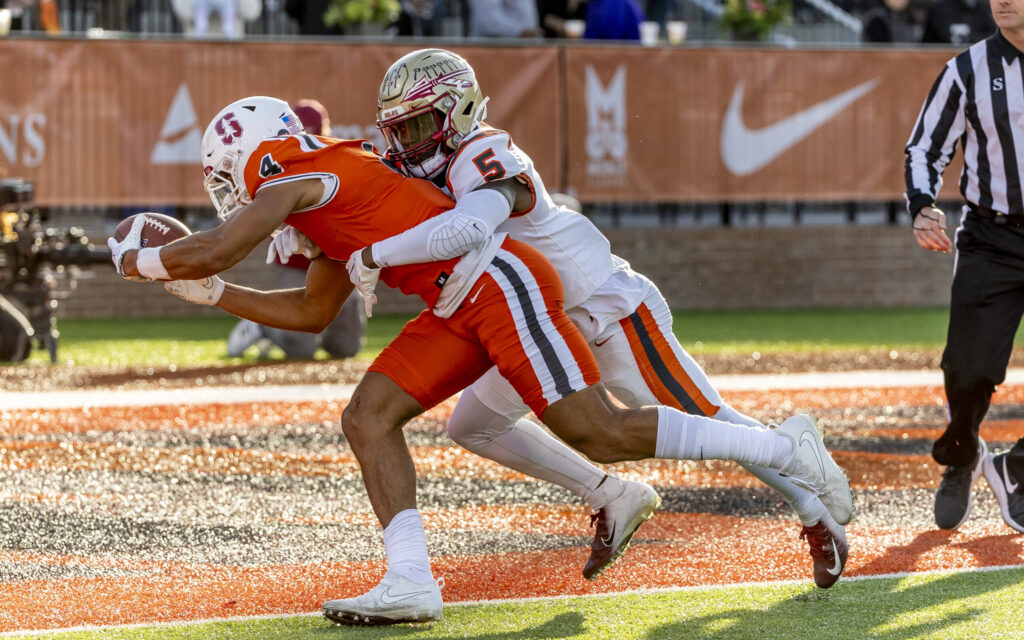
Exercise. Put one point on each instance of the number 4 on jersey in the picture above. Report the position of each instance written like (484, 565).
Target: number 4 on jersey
(268, 167)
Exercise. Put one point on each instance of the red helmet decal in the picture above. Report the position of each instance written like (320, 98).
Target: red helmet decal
(228, 128)
(424, 88)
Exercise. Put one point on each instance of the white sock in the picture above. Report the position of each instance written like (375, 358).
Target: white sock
(526, 447)
(405, 544)
(687, 437)
(609, 489)
(806, 505)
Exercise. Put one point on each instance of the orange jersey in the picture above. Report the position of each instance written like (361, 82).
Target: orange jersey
(364, 201)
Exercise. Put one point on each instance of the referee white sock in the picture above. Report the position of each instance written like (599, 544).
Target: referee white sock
(688, 437)
(405, 545)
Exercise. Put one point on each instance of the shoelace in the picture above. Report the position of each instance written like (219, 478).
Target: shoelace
(801, 471)
(955, 473)
(818, 537)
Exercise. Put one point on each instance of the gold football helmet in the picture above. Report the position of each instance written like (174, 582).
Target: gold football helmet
(428, 103)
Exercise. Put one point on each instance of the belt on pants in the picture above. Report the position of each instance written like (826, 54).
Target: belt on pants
(998, 217)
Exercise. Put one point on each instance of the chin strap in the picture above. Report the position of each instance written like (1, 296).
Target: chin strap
(481, 113)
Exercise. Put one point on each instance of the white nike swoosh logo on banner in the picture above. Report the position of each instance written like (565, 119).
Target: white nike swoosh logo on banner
(1010, 484)
(744, 150)
(387, 598)
(835, 553)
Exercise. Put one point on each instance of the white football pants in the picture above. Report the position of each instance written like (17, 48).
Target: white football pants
(642, 363)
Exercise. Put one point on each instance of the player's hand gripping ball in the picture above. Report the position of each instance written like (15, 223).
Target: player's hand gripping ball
(140, 231)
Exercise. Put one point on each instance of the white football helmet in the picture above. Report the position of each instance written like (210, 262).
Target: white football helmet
(428, 103)
(230, 139)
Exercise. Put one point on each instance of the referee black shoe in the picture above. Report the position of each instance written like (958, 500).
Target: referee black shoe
(1008, 491)
(953, 500)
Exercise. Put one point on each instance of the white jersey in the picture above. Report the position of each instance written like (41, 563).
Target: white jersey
(577, 249)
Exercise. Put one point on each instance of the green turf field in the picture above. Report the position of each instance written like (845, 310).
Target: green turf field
(972, 605)
(201, 340)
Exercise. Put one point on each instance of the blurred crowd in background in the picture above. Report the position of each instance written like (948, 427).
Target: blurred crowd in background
(959, 22)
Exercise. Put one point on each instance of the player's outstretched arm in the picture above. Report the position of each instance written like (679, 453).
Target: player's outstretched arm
(309, 309)
(207, 253)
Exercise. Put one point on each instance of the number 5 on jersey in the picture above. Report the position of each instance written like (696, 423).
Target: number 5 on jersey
(490, 169)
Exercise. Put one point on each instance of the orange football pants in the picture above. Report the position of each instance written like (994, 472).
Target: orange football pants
(512, 318)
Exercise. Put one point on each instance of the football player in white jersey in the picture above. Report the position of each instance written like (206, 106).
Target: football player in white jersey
(431, 111)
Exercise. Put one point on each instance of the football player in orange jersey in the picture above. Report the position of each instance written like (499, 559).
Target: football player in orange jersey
(497, 304)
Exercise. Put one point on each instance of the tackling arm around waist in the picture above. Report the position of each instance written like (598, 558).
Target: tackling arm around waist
(451, 234)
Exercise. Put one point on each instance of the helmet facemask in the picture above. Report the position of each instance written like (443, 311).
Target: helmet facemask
(428, 103)
(231, 138)
(419, 139)
(226, 190)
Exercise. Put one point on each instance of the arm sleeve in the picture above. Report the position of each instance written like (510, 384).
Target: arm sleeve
(449, 235)
(933, 141)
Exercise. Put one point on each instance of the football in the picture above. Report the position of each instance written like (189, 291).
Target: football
(158, 230)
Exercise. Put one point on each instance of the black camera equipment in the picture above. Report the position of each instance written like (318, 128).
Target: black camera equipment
(38, 267)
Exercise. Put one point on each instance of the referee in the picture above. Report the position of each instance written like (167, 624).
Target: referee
(978, 100)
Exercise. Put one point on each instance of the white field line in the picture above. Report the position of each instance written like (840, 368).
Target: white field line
(712, 587)
(323, 392)
(174, 396)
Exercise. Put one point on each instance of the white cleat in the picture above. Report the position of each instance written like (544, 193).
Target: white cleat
(395, 600)
(616, 523)
(812, 467)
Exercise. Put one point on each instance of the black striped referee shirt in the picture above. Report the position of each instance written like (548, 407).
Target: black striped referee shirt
(978, 100)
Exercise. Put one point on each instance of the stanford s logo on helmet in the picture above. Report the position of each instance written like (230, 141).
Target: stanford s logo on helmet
(229, 141)
(428, 103)
(227, 128)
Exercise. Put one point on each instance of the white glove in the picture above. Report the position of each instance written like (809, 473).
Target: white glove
(365, 280)
(288, 242)
(206, 291)
(131, 242)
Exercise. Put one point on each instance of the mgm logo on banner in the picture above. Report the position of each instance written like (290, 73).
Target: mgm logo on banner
(607, 143)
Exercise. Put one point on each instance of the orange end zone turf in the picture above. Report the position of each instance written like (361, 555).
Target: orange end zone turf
(125, 586)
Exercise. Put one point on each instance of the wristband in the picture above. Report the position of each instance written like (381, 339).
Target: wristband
(148, 264)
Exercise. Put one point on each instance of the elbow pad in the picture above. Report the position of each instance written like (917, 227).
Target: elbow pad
(475, 217)
(459, 235)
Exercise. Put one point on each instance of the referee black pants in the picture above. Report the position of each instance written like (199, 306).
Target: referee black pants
(986, 307)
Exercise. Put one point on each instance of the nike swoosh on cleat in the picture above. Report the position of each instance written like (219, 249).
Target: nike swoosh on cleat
(745, 151)
(806, 438)
(1011, 486)
(387, 598)
(838, 568)
(608, 541)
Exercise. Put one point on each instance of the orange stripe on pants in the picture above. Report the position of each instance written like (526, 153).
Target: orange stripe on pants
(665, 375)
